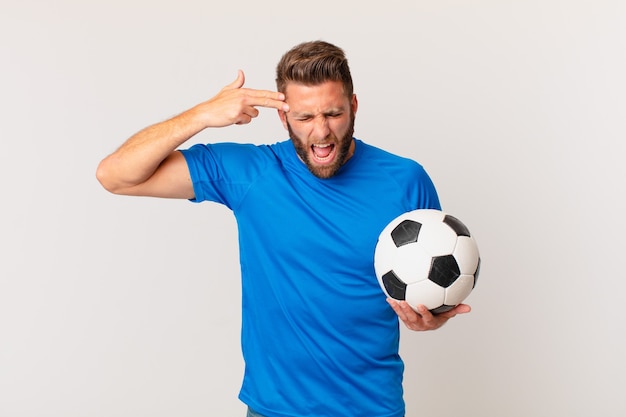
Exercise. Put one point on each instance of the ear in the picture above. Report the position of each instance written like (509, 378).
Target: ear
(354, 103)
(283, 118)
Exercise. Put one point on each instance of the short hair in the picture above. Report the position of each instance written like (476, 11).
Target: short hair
(313, 63)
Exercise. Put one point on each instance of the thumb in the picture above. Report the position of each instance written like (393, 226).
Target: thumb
(238, 83)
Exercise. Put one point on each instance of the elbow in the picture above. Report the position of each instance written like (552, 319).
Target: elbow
(104, 177)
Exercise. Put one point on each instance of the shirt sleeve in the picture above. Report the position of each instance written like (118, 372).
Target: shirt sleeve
(223, 172)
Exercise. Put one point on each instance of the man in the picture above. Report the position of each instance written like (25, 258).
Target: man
(318, 338)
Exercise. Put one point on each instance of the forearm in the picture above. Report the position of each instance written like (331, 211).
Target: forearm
(139, 157)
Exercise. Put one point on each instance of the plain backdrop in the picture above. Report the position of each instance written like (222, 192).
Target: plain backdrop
(129, 307)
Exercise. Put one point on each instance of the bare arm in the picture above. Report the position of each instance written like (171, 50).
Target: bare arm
(148, 164)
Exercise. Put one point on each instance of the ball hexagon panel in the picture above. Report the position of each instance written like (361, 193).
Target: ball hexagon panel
(425, 215)
(411, 263)
(477, 273)
(384, 257)
(466, 255)
(425, 292)
(459, 290)
(437, 238)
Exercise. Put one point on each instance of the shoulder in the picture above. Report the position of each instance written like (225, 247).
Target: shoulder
(390, 162)
(228, 156)
(407, 175)
(228, 150)
(223, 172)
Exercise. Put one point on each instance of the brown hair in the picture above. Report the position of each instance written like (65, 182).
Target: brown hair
(312, 63)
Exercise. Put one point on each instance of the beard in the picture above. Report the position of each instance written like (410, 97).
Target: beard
(343, 151)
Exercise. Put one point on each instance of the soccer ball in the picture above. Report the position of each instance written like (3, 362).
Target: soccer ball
(427, 257)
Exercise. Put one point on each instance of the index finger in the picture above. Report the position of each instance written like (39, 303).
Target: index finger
(267, 98)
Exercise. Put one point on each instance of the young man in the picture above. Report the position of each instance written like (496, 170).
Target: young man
(318, 338)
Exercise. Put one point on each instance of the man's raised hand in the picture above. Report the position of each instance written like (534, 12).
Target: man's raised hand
(235, 104)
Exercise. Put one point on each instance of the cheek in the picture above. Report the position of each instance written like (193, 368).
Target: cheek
(301, 131)
(340, 127)
(295, 134)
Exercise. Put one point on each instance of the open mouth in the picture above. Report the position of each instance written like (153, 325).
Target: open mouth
(323, 153)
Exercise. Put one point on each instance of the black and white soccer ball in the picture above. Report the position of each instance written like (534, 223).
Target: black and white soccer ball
(427, 257)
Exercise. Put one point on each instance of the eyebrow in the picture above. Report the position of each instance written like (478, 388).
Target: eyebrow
(332, 110)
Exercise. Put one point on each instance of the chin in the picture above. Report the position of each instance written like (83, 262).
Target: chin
(325, 171)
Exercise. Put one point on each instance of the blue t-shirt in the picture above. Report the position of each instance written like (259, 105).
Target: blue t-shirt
(318, 337)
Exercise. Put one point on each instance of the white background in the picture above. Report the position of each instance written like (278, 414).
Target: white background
(117, 306)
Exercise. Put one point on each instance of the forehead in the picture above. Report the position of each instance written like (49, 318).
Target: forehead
(319, 97)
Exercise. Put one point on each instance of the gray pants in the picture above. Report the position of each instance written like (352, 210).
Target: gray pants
(252, 413)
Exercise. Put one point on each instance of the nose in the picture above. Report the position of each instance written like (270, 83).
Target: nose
(321, 128)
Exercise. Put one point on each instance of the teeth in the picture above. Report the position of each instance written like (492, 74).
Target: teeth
(322, 152)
